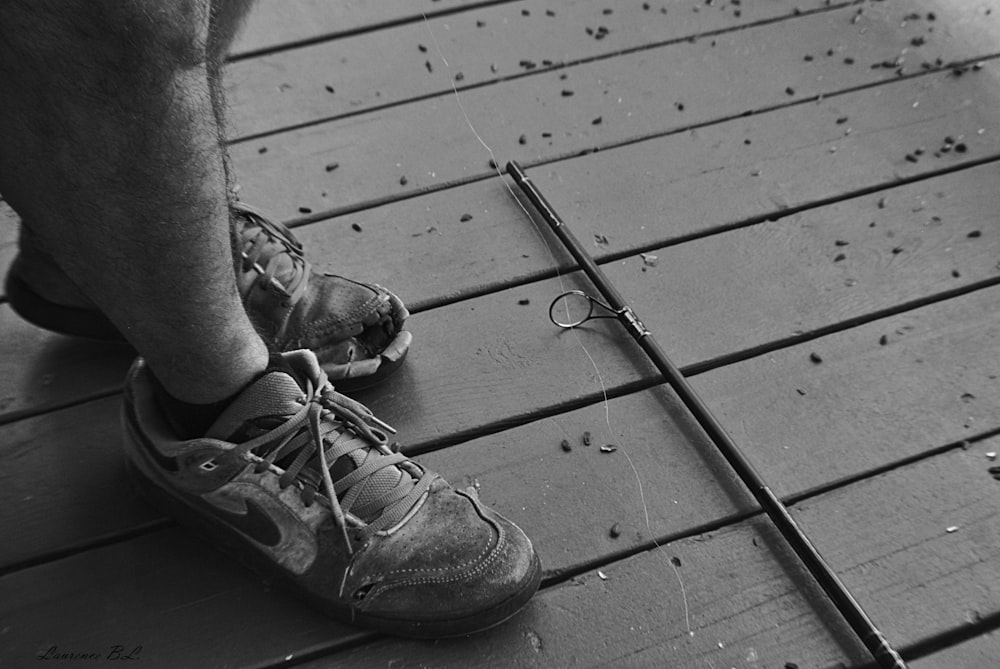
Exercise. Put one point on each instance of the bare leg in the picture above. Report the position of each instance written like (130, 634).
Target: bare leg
(111, 147)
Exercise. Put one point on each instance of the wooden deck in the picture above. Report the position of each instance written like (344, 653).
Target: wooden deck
(819, 182)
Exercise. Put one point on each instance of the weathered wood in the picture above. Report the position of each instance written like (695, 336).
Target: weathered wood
(41, 370)
(742, 591)
(482, 46)
(64, 478)
(275, 24)
(867, 405)
(869, 277)
(907, 570)
(424, 250)
(982, 651)
(381, 155)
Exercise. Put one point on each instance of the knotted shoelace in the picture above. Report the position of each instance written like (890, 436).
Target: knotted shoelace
(330, 426)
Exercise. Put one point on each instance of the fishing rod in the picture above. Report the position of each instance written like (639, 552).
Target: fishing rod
(616, 307)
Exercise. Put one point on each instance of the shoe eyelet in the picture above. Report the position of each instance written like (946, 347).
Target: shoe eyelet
(362, 592)
(209, 465)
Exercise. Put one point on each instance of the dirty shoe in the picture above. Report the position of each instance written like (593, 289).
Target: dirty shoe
(355, 329)
(296, 481)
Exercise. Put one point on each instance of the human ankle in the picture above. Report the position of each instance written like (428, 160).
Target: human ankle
(190, 420)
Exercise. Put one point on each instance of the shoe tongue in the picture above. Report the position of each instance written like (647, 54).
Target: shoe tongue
(274, 398)
(275, 395)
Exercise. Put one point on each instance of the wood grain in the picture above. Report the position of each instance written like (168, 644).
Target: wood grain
(867, 405)
(972, 654)
(741, 588)
(276, 24)
(402, 63)
(381, 156)
(895, 563)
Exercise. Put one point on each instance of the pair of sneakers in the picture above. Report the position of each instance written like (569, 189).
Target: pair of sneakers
(297, 480)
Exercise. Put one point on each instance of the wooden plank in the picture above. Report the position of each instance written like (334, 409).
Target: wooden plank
(421, 247)
(482, 46)
(184, 603)
(41, 370)
(78, 451)
(742, 590)
(865, 406)
(907, 571)
(724, 293)
(947, 506)
(973, 654)
(276, 24)
(381, 155)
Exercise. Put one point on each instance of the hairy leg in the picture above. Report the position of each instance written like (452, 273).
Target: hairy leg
(110, 146)
(225, 21)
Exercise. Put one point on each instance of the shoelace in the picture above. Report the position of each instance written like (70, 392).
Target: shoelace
(257, 236)
(307, 434)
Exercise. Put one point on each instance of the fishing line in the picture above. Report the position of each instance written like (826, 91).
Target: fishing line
(495, 164)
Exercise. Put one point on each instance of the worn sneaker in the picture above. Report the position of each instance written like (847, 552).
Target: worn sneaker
(298, 482)
(355, 329)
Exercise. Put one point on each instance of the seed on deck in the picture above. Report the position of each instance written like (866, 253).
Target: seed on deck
(403, 181)
(974, 233)
(815, 358)
(615, 531)
(524, 301)
(305, 210)
(597, 121)
(587, 439)
(355, 227)
(331, 166)
(566, 93)
(465, 218)
(329, 88)
(522, 139)
(839, 257)
(676, 561)
(883, 340)
(609, 448)
(564, 444)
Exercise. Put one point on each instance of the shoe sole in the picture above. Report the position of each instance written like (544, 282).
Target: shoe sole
(58, 318)
(234, 544)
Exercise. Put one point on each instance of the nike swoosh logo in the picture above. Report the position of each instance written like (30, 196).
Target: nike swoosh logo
(255, 523)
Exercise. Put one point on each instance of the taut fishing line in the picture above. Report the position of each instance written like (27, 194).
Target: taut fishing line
(495, 164)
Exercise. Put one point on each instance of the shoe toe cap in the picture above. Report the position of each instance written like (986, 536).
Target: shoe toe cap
(455, 567)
